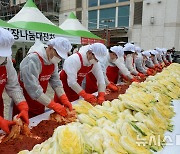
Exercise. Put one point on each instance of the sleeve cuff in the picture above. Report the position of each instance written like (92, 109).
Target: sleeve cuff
(59, 91)
(44, 99)
(17, 97)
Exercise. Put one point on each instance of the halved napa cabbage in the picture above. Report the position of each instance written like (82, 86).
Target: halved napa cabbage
(132, 147)
(84, 118)
(82, 107)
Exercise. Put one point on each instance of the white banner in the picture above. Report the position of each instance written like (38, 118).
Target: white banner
(21, 35)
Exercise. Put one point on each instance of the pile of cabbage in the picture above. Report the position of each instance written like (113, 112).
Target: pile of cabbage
(134, 123)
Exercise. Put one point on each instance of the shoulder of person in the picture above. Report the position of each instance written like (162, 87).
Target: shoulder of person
(98, 64)
(9, 64)
(9, 61)
(72, 58)
(84, 48)
(32, 57)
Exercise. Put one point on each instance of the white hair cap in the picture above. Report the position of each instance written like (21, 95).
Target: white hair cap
(118, 50)
(164, 50)
(61, 45)
(159, 50)
(129, 47)
(99, 50)
(6, 42)
(137, 49)
(154, 52)
(146, 53)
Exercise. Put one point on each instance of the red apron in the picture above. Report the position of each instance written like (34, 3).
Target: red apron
(3, 81)
(36, 108)
(91, 83)
(71, 94)
(112, 73)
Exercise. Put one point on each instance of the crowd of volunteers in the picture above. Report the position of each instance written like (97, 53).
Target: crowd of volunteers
(92, 68)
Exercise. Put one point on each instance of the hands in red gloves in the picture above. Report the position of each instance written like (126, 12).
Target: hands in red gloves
(112, 87)
(5, 125)
(141, 75)
(88, 97)
(57, 108)
(23, 108)
(101, 97)
(167, 63)
(149, 72)
(64, 100)
(134, 80)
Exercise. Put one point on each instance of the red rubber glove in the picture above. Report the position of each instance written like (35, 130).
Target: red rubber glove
(101, 97)
(156, 65)
(149, 72)
(57, 108)
(141, 75)
(167, 63)
(5, 125)
(151, 69)
(112, 87)
(88, 97)
(134, 80)
(64, 100)
(23, 108)
(160, 67)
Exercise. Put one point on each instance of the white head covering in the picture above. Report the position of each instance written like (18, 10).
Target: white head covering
(99, 50)
(129, 47)
(137, 49)
(154, 52)
(164, 50)
(146, 53)
(38, 45)
(6, 42)
(159, 51)
(61, 45)
(118, 50)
